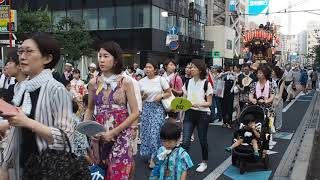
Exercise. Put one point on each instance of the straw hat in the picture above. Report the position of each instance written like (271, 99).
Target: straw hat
(68, 64)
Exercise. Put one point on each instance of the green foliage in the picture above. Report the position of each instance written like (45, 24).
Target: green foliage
(74, 39)
(316, 52)
(33, 21)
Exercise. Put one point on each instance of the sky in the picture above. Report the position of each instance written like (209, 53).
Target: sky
(299, 20)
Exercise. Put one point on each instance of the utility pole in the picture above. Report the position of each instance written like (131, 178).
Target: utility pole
(289, 31)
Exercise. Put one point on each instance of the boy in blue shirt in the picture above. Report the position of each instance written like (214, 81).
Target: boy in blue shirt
(170, 161)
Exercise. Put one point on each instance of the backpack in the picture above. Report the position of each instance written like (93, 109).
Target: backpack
(205, 87)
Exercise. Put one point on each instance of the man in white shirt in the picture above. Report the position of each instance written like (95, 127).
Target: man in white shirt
(288, 81)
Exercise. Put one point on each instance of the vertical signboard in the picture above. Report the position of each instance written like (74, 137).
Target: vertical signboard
(4, 18)
(256, 7)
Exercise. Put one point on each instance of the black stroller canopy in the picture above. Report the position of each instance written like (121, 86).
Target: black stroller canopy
(257, 111)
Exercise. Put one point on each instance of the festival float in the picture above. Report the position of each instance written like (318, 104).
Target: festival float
(261, 43)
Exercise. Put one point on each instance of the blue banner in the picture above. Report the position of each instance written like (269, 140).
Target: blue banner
(232, 5)
(256, 7)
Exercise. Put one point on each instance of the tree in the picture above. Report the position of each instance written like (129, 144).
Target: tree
(74, 40)
(316, 52)
(33, 21)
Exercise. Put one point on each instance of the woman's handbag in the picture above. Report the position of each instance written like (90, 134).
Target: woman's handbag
(167, 102)
(53, 164)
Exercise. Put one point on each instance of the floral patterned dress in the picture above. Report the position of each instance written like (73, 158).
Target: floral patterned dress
(111, 106)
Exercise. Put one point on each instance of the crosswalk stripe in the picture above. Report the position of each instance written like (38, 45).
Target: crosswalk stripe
(215, 174)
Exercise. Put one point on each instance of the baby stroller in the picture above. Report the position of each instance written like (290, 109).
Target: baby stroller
(244, 154)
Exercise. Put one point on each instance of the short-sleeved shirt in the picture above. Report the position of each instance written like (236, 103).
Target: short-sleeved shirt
(196, 94)
(176, 83)
(153, 87)
(136, 91)
(178, 162)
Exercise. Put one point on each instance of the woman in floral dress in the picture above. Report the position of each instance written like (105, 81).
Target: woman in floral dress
(110, 93)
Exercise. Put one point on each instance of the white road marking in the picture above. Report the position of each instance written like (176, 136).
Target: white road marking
(291, 103)
(215, 174)
(304, 100)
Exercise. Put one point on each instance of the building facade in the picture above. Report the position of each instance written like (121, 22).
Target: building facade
(313, 35)
(302, 45)
(139, 26)
(230, 14)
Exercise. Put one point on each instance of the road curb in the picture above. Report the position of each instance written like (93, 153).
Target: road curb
(301, 165)
(295, 162)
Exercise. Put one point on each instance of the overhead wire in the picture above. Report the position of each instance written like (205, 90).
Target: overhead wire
(294, 5)
(293, 11)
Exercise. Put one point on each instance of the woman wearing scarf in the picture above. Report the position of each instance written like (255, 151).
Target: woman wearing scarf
(45, 107)
(109, 94)
(262, 91)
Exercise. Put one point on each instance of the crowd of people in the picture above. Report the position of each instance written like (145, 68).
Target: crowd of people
(128, 103)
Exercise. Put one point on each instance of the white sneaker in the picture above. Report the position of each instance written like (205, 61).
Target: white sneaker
(202, 167)
(272, 143)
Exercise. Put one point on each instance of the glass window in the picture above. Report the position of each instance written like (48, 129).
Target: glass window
(75, 14)
(182, 25)
(190, 28)
(201, 31)
(106, 18)
(155, 17)
(57, 16)
(90, 17)
(167, 20)
(124, 14)
(229, 44)
(172, 21)
(182, 7)
(197, 30)
(142, 16)
(163, 20)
